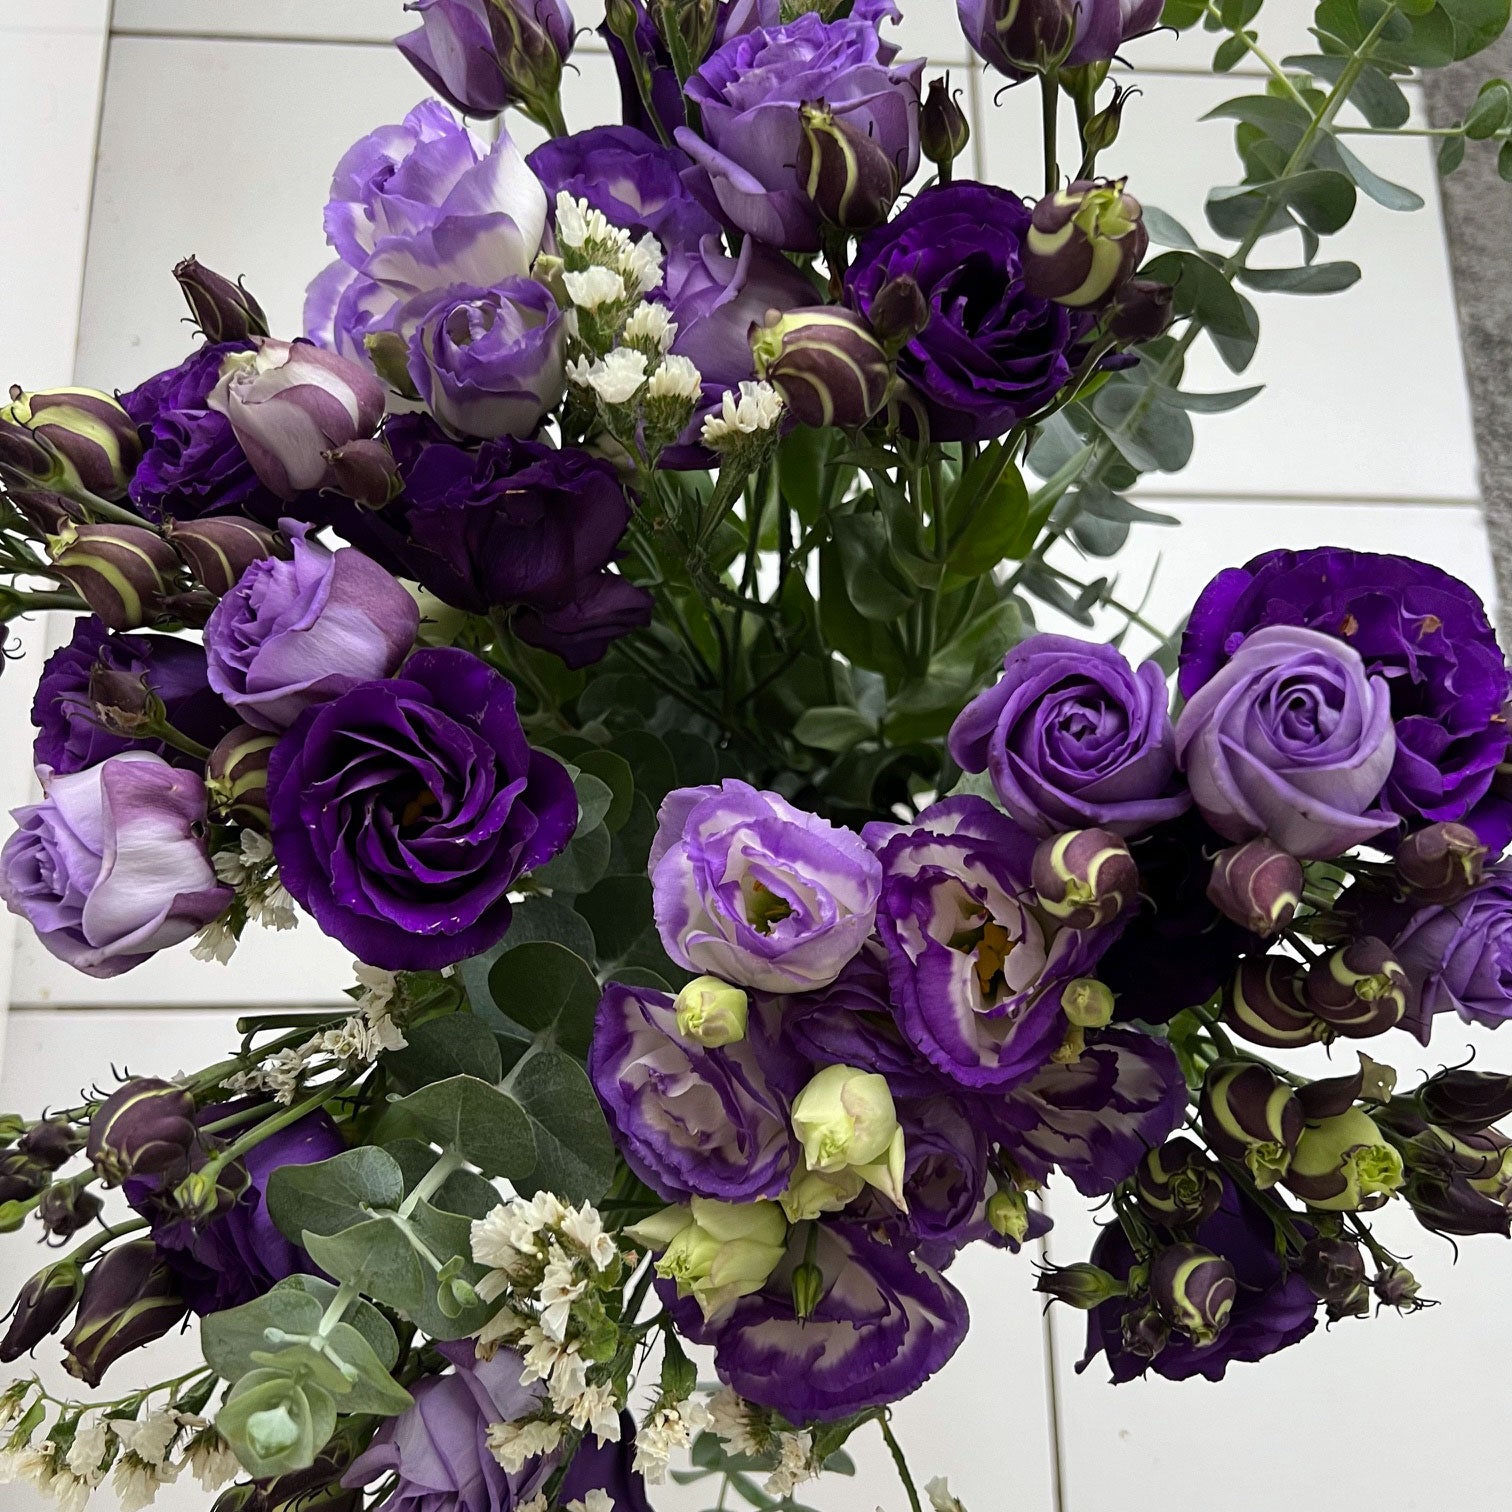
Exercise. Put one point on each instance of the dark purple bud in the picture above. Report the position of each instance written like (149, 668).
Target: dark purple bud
(1142, 310)
(236, 774)
(364, 471)
(1144, 1332)
(1466, 1100)
(1257, 885)
(1331, 1096)
(825, 363)
(123, 703)
(1177, 1185)
(130, 1298)
(1396, 1286)
(25, 460)
(123, 572)
(43, 510)
(899, 312)
(1193, 1290)
(224, 311)
(192, 607)
(1020, 37)
(943, 129)
(42, 1307)
(1442, 863)
(1450, 1205)
(1082, 1285)
(1335, 1270)
(1084, 243)
(144, 1128)
(68, 1206)
(1084, 877)
(846, 172)
(1249, 1114)
(22, 1176)
(54, 1142)
(1264, 1005)
(218, 550)
(95, 438)
(1360, 988)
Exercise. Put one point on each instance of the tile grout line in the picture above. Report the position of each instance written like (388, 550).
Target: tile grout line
(1052, 1399)
(94, 173)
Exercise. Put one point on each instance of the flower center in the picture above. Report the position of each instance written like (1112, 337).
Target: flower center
(764, 908)
(412, 811)
(991, 944)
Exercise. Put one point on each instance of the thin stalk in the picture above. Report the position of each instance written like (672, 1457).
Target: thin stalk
(434, 1179)
(1262, 57)
(896, 1450)
(270, 1126)
(1049, 105)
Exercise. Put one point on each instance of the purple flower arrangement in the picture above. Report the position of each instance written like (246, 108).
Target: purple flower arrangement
(609, 622)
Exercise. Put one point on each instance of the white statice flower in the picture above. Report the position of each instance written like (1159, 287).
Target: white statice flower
(504, 1327)
(795, 1463)
(579, 226)
(561, 1286)
(752, 410)
(666, 1432)
(91, 1439)
(676, 378)
(643, 267)
(618, 377)
(215, 942)
(594, 288)
(31, 1464)
(274, 909)
(151, 1437)
(136, 1482)
(541, 1353)
(580, 370)
(595, 1501)
(597, 1412)
(730, 1419)
(210, 1460)
(569, 1379)
(650, 327)
(940, 1499)
(13, 1403)
(537, 1503)
(585, 1228)
(514, 1443)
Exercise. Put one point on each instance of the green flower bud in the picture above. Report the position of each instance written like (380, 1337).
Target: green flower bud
(125, 573)
(130, 1298)
(1249, 1114)
(1360, 988)
(1084, 242)
(1084, 878)
(1193, 1290)
(1087, 1003)
(1008, 1214)
(810, 1193)
(1344, 1165)
(95, 438)
(1101, 130)
(943, 128)
(275, 1424)
(236, 774)
(1082, 1285)
(1264, 1005)
(224, 311)
(845, 172)
(711, 1012)
(826, 364)
(808, 1290)
(1177, 1185)
(845, 1120)
(715, 1252)
(1396, 1286)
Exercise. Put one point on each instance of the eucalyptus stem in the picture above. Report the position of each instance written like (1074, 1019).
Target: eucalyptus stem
(1262, 57)
(434, 1179)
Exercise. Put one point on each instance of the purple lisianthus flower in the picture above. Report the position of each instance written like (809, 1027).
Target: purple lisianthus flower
(607, 1467)
(482, 55)
(1074, 738)
(404, 810)
(488, 362)
(192, 463)
(944, 1174)
(110, 868)
(437, 1450)
(754, 891)
(975, 972)
(634, 181)
(1292, 739)
(1273, 1308)
(606, 608)
(238, 1254)
(992, 354)
(1093, 1118)
(1422, 630)
(69, 735)
(1008, 36)
(295, 633)
(884, 1324)
(694, 1121)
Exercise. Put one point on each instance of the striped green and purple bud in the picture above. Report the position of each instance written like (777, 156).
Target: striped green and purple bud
(125, 573)
(41, 1308)
(68, 1206)
(22, 1176)
(847, 173)
(1143, 1332)
(1464, 1100)
(1249, 1114)
(1265, 1005)
(1177, 1185)
(236, 775)
(42, 509)
(1087, 1003)
(1441, 863)
(1446, 1204)
(1257, 885)
(1344, 1164)
(1193, 1290)
(1084, 878)
(54, 1142)
(1082, 1285)
(826, 364)
(130, 1298)
(1084, 243)
(95, 438)
(144, 1128)
(24, 460)
(218, 550)
(1396, 1286)
(943, 128)
(1360, 989)
(223, 311)
(1335, 1270)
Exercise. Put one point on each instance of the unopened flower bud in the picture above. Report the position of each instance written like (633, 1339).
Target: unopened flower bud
(1084, 878)
(1143, 1332)
(1193, 1290)
(41, 1308)
(206, 1193)
(130, 1298)
(943, 129)
(1084, 243)
(94, 436)
(122, 702)
(1257, 885)
(236, 775)
(24, 460)
(42, 509)
(68, 1206)
(826, 364)
(715, 1252)
(144, 1128)
(1101, 130)
(846, 172)
(22, 1176)
(1335, 1270)
(1008, 1214)
(1466, 1100)
(365, 472)
(1249, 1114)
(1177, 1185)
(1344, 1165)
(219, 549)
(1082, 1285)
(1446, 1204)
(1441, 863)
(808, 1290)
(1264, 1005)
(899, 312)
(1087, 1003)
(224, 311)
(845, 1121)
(1360, 988)
(1396, 1286)
(711, 1012)
(1142, 310)
(123, 572)
(54, 1142)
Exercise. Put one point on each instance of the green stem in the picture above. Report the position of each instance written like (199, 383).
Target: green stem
(896, 1450)
(434, 1179)
(1049, 105)
(270, 1126)
(28, 602)
(99, 1241)
(1400, 131)
(346, 1294)
(1262, 57)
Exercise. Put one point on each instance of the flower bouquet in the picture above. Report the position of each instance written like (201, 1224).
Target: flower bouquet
(613, 622)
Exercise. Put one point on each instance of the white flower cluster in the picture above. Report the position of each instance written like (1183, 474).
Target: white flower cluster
(745, 1428)
(751, 412)
(357, 1041)
(595, 1501)
(667, 1431)
(546, 1262)
(260, 897)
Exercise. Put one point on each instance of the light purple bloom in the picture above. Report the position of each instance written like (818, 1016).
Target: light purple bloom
(485, 54)
(298, 632)
(754, 891)
(1009, 34)
(1292, 739)
(694, 1121)
(1074, 738)
(110, 868)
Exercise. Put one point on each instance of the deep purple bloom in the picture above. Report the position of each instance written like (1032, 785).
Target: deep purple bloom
(1290, 739)
(438, 1449)
(609, 1468)
(1009, 36)
(110, 867)
(482, 55)
(1422, 630)
(1274, 1306)
(1075, 738)
(694, 1121)
(192, 463)
(992, 354)
(295, 633)
(404, 810)
(631, 178)
(944, 1173)
(975, 972)
(749, 91)
(238, 1254)
(606, 608)
(750, 889)
(70, 738)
